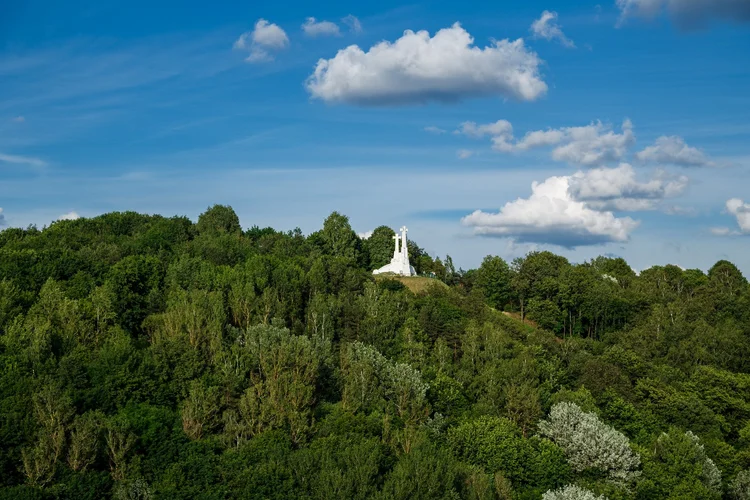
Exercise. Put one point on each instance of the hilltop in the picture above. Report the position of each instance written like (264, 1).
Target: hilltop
(147, 356)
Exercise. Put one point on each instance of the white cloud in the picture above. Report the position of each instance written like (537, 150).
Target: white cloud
(591, 145)
(434, 130)
(265, 38)
(22, 160)
(364, 236)
(741, 211)
(594, 144)
(312, 27)
(618, 189)
(551, 215)
(723, 231)
(498, 128)
(417, 68)
(354, 25)
(546, 27)
(464, 154)
(673, 150)
(687, 14)
(69, 216)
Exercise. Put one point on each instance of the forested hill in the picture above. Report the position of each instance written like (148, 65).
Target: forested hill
(150, 357)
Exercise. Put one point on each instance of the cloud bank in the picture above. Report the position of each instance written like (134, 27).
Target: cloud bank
(686, 14)
(551, 215)
(578, 210)
(417, 68)
(618, 189)
(593, 145)
(673, 150)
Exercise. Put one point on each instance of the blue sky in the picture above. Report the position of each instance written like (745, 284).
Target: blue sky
(630, 117)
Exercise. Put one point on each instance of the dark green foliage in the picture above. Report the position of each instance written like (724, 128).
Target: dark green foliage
(150, 357)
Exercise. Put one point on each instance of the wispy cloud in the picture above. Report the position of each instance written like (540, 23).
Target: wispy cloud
(434, 130)
(353, 22)
(83, 69)
(546, 27)
(22, 160)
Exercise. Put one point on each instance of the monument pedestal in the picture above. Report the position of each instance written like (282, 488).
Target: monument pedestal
(400, 262)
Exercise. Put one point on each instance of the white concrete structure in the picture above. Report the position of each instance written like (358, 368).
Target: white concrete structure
(400, 261)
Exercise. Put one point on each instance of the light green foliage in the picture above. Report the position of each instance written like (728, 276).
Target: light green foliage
(137, 489)
(84, 440)
(339, 238)
(200, 410)
(283, 370)
(589, 443)
(374, 382)
(196, 317)
(572, 492)
(496, 444)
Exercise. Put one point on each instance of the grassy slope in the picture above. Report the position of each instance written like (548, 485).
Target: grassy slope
(414, 283)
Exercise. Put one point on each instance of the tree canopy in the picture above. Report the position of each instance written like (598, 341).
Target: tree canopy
(144, 356)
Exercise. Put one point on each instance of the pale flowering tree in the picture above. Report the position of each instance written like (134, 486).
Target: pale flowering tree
(571, 492)
(711, 476)
(589, 443)
(740, 486)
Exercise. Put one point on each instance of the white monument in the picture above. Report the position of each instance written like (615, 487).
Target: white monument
(400, 261)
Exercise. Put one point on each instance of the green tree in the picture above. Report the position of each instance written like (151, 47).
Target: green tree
(494, 279)
(380, 246)
(218, 219)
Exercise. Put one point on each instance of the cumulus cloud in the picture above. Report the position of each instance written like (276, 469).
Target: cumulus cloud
(618, 189)
(313, 27)
(364, 236)
(69, 216)
(464, 154)
(551, 215)
(417, 69)
(354, 25)
(434, 130)
(592, 145)
(687, 14)
(673, 150)
(741, 211)
(22, 160)
(546, 27)
(262, 41)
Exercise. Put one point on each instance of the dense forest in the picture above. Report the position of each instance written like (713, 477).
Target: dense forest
(151, 357)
